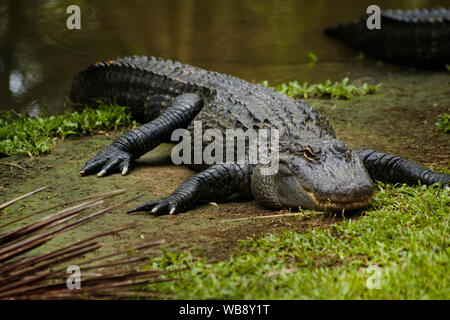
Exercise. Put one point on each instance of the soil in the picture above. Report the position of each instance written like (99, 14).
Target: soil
(399, 119)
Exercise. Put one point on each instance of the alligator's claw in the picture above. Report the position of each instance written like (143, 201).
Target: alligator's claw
(109, 160)
(169, 205)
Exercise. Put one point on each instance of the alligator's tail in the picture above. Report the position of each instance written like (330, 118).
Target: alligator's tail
(412, 37)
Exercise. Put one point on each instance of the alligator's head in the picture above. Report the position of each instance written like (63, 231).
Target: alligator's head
(317, 174)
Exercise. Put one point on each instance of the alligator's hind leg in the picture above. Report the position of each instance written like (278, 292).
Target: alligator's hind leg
(120, 154)
(217, 182)
(391, 169)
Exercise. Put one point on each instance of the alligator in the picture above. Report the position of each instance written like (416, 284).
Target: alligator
(413, 37)
(315, 170)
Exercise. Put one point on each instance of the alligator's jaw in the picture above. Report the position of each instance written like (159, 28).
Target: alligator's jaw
(348, 202)
(291, 192)
(335, 205)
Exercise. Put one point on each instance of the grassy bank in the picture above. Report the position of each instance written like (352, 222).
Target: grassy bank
(401, 239)
(34, 136)
(334, 90)
(398, 249)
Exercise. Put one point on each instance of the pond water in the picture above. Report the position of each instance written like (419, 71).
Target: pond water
(252, 39)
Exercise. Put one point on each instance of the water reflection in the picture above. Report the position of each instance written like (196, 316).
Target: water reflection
(251, 39)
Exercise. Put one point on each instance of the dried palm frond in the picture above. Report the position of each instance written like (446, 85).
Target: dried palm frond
(24, 275)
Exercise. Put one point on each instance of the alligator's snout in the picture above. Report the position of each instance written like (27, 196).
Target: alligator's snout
(346, 197)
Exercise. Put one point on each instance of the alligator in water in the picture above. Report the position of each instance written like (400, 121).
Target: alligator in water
(315, 169)
(413, 37)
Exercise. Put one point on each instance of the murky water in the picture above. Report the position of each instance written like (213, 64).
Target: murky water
(251, 39)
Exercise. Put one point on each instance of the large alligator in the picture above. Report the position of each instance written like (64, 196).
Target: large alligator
(315, 169)
(413, 37)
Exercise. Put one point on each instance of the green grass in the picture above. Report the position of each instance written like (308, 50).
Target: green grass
(312, 59)
(443, 123)
(37, 135)
(328, 89)
(402, 240)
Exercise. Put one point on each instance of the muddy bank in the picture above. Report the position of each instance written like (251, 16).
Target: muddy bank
(399, 119)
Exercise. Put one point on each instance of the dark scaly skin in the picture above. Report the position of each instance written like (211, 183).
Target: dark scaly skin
(216, 182)
(316, 170)
(390, 168)
(135, 143)
(412, 37)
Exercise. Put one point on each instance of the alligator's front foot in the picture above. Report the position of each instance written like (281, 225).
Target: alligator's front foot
(212, 184)
(174, 203)
(120, 155)
(109, 160)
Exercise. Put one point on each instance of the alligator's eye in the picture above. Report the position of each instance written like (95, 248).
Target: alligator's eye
(309, 154)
